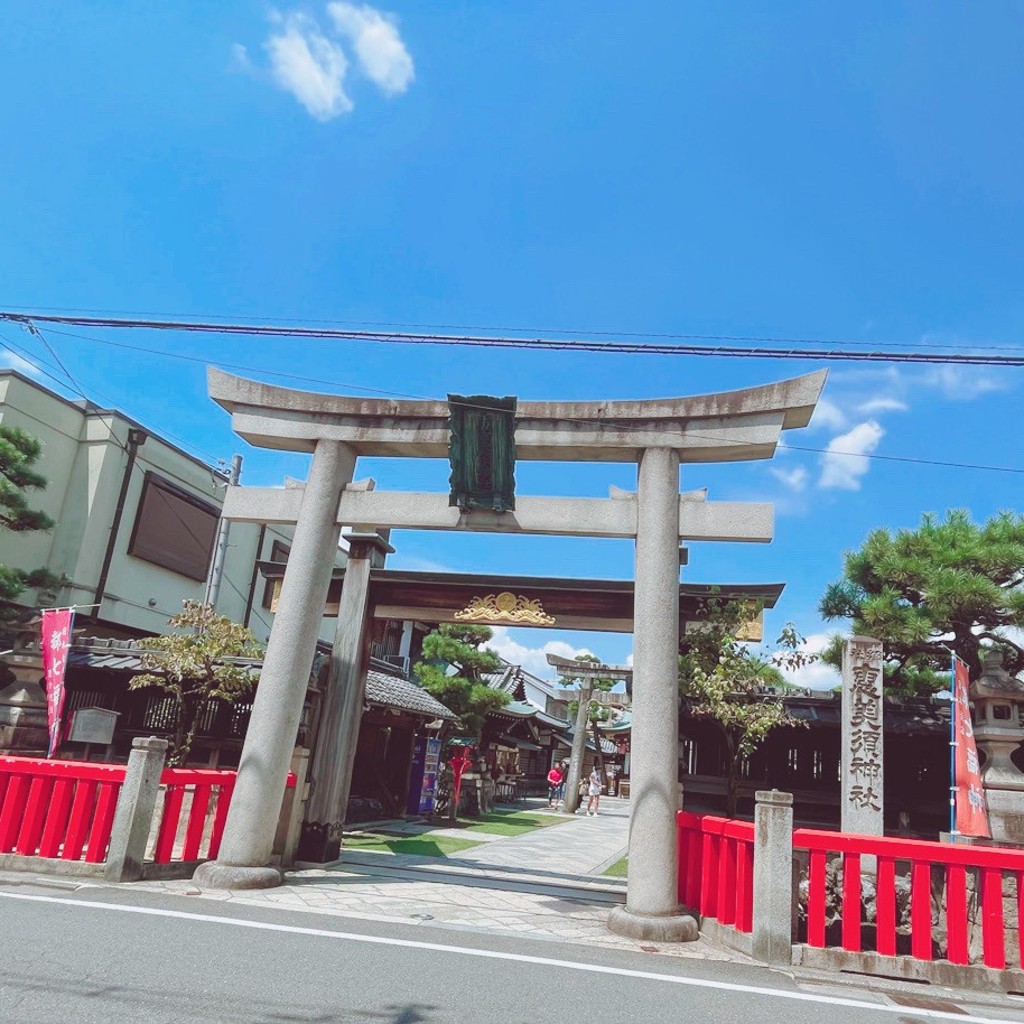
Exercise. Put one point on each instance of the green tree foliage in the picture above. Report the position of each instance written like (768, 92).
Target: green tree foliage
(19, 452)
(723, 679)
(455, 663)
(196, 665)
(948, 585)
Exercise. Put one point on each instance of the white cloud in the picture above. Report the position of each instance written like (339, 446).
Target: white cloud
(533, 659)
(312, 62)
(844, 461)
(816, 675)
(964, 383)
(876, 405)
(310, 66)
(379, 48)
(795, 479)
(240, 60)
(827, 415)
(413, 563)
(12, 361)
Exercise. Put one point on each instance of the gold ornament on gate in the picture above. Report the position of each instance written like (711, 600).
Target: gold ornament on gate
(505, 607)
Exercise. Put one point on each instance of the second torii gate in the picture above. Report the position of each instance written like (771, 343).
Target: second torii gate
(588, 672)
(657, 435)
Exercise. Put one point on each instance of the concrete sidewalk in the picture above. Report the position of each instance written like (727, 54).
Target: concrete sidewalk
(544, 884)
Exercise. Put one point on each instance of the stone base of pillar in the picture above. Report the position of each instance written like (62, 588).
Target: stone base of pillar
(213, 875)
(319, 843)
(654, 928)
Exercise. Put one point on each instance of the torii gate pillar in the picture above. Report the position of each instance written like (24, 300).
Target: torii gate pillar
(652, 901)
(244, 858)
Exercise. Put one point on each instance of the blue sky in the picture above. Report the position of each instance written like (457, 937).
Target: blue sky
(795, 170)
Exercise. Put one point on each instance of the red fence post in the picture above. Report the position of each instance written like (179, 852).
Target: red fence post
(35, 813)
(956, 914)
(221, 814)
(921, 909)
(885, 907)
(993, 939)
(851, 902)
(745, 887)
(13, 810)
(816, 901)
(57, 818)
(709, 867)
(726, 900)
(102, 822)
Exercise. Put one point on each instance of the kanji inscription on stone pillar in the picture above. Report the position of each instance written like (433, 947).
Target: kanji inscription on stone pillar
(863, 770)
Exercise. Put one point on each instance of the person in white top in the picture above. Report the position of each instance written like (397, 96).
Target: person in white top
(594, 791)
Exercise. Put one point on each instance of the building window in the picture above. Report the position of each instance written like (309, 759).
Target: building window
(272, 588)
(174, 529)
(278, 553)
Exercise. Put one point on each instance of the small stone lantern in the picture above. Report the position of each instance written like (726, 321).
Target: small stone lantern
(22, 698)
(998, 700)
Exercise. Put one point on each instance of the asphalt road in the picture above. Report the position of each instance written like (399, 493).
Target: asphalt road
(116, 954)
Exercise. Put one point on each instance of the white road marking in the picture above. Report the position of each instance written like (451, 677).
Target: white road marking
(488, 954)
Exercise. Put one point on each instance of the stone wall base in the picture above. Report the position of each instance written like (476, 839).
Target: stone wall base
(940, 972)
(727, 936)
(82, 869)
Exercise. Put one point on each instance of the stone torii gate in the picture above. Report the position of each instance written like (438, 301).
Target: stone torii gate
(656, 434)
(587, 673)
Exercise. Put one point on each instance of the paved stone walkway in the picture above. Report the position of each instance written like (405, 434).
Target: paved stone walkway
(544, 884)
(578, 848)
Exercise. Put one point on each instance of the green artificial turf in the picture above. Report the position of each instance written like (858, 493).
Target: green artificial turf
(619, 869)
(422, 846)
(509, 823)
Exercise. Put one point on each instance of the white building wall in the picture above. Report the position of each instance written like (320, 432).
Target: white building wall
(84, 459)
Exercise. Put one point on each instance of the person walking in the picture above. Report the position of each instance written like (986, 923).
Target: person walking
(554, 785)
(594, 791)
(564, 769)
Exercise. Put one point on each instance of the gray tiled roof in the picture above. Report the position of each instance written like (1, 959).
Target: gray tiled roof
(393, 692)
(381, 689)
(125, 661)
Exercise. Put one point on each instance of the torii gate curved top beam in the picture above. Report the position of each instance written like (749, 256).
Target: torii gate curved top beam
(729, 426)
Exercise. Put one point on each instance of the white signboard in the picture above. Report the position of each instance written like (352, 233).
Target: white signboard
(93, 725)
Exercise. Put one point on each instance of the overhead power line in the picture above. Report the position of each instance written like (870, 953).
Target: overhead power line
(722, 347)
(391, 393)
(214, 461)
(958, 346)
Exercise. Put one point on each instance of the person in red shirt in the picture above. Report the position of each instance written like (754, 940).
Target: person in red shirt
(554, 783)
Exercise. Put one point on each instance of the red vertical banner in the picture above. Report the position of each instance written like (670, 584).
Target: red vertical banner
(971, 811)
(56, 639)
(459, 764)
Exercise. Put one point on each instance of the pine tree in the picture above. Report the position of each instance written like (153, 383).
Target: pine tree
(949, 585)
(19, 452)
(453, 646)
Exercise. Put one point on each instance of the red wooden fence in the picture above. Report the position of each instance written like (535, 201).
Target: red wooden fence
(716, 857)
(65, 809)
(941, 869)
(205, 783)
(716, 868)
(57, 808)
